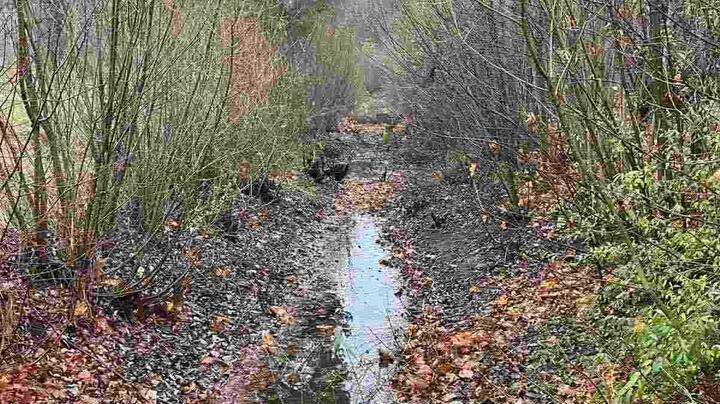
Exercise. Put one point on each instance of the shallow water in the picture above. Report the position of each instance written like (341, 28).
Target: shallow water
(373, 314)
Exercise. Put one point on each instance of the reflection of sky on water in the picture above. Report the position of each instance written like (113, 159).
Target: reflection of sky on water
(369, 299)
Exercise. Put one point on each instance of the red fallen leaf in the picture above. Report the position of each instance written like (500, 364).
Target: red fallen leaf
(566, 391)
(101, 325)
(417, 384)
(466, 372)
(218, 323)
(85, 377)
(425, 372)
(208, 360)
(292, 279)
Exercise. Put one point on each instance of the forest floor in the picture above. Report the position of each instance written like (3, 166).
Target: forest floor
(484, 293)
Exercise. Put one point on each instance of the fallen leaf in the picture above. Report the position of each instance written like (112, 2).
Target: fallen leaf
(386, 357)
(112, 282)
(219, 323)
(244, 170)
(81, 309)
(494, 148)
(466, 373)
(473, 168)
(474, 289)
(85, 377)
(221, 272)
(484, 215)
(291, 349)
(282, 315)
(292, 378)
(436, 176)
(268, 343)
(192, 255)
(172, 225)
(444, 368)
(501, 301)
(326, 329)
(99, 266)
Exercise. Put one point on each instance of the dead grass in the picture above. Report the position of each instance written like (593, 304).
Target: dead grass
(251, 73)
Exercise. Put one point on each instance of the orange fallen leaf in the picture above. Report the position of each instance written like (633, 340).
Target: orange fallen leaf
(462, 339)
(291, 349)
(192, 255)
(218, 323)
(501, 301)
(81, 309)
(327, 329)
(268, 343)
(494, 148)
(244, 170)
(282, 315)
(484, 215)
(436, 176)
(444, 368)
(221, 272)
(208, 360)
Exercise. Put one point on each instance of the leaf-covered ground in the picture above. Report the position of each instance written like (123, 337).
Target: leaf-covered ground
(248, 310)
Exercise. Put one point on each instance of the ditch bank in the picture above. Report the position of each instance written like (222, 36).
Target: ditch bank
(296, 301)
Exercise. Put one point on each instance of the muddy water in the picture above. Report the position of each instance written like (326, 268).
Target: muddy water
(373, 314)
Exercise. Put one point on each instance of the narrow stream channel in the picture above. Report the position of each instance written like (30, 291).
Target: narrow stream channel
(373, 314)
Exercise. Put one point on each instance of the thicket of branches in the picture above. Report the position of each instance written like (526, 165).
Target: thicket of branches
(162, 109)
(615, 106)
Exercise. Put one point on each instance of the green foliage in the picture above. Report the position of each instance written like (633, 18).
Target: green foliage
(508, 177)
(387, 133)
(672, 350)
(459, 156)
(335, 49)
(419, 19)
(333, 382)
(646, 203)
